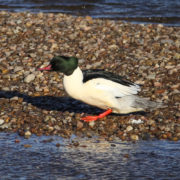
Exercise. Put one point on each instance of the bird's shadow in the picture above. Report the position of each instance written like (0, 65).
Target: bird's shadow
(53, 103)
(61, 104)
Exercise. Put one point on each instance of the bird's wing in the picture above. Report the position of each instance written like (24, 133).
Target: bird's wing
(110, 83)
(107, 87)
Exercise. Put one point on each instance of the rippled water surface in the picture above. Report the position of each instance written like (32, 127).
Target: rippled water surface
(154, 11)
(56, 158)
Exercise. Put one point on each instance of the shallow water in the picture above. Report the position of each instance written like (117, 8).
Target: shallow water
(92, 159)
(154, 11)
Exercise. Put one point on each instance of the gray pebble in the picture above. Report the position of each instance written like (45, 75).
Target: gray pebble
(18, 68)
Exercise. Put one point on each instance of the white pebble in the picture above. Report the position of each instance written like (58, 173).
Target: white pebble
(129, 128)
(1, 121)
(29, 78)
(27, 134)
(15, 98)
(91, 124)
(134, 121)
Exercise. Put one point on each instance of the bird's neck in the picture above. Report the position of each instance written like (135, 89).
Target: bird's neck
(74, 82)
(75, 77)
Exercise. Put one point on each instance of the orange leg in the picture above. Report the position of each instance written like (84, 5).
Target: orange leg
(94, 118)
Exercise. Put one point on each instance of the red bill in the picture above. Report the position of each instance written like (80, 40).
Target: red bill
(47, 68)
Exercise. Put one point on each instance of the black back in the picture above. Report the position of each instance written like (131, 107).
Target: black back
(99, 73)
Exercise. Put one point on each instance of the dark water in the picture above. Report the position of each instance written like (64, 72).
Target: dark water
(92, 159)
(138, 11)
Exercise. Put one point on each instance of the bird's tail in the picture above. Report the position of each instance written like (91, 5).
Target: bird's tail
(146, 104)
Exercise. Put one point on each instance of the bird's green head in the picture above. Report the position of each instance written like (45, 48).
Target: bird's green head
(63, 64)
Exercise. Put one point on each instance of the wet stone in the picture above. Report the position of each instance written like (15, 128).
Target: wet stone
(27, 134)
(134, 137)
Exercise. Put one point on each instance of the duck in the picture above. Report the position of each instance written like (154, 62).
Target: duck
(105, 90)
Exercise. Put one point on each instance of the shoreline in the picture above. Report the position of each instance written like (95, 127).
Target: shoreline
(33, 102)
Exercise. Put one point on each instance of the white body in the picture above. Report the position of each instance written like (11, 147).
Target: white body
(102, 93)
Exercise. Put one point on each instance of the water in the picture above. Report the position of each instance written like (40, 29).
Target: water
(92, 159)
(137, 11)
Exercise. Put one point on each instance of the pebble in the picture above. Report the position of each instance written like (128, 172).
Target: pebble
(96, 64)
(134, 121)
(151, 76)
(79, 125)
(157, 84)
(151, 122)
(27, 134)
(177, 55)
(1, 121)
(81, 61)
(92, 123)
(169, 41)
(5, 88)
(50, 128)
(129, 128)
(27, 145)
(29, 78)
(15, 98)
(89, 66)
(177, 129)
(134, 137)
(6, 126)
(37, 88)
(18, 68)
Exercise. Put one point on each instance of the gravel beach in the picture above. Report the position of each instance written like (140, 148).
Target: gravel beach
(34, 102)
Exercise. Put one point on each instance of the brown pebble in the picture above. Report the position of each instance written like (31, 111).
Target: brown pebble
(89, 19)
(48, 140)
(175, 139)
(169, 135)
(7, 119)
(17, 141)
(123, 138)
(160, 91)
(79, 125)
(157, 84)
(164, 136)
(27, 145)
(76, 143)
(58, 144)
(5, 71)
(126, 155)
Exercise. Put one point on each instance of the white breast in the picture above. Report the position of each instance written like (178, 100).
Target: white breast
(73, 84)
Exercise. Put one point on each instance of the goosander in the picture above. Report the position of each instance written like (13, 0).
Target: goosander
(99, 88)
